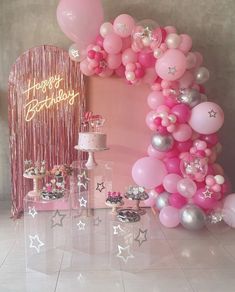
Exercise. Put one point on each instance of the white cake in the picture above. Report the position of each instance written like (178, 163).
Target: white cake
(92, 141)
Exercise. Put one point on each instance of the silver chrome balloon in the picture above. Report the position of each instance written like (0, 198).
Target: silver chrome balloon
(191, 97)
(162, 200)
(202, 74)
(162, 143)
(192, 217)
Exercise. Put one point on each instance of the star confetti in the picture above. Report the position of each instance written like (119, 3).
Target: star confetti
(100, 187)
(35, 242)
(57, 219)
(141, 237)
(83, 202)
(124, 253)
(212, 114)
(117, 229)
(207, 194)
(172, 70)
(83, 176)
(97, 221)
(81, 225)
(32, 211)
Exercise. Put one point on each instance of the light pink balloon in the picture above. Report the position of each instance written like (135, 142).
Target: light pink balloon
(150, 202)
(126, 43)
(150, 76)
(155, 98)
(84, 66)
(186, 80)
(169, 217)
(187, 187)
(106, 73)
(148, 172)
(74, 18)
(206, 118)
(186, 43)
(150, 120)
(114, 61)
(124, 25)
(182, 133)
(106, 28)
(172, 65)
(170, 182)
(152, 152)
(128, 56)
(170, 29)
(199, 59)
(229, 210)
(112, 43)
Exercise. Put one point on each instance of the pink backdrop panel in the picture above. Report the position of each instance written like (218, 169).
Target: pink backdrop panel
(44, 115)
(124, 107)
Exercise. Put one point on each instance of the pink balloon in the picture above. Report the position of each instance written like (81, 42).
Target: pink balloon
(172, 153)
(120, 71)
(229, 210)
(187, 187)
(106, 73)
(186, 43)
(123, 25)
(150, 202)
(74, 18)
(150, 76)
(186, 80)
(204, 202)
(150, 120)
(172, 65)
(152, 152)
(182, 133)
(184, 146)
(148, 172)
(146, 59)
(126, 43)
(199, 59)
(211, 139)
(84, 66)
(128, 56)
(173, 165)
(169, 217)
(170, 29)
(99, 41)
(177, 201)
(182, 112)
(206, 118)
(170, 182)
(114, 61)
(155, 98)
(112, 43)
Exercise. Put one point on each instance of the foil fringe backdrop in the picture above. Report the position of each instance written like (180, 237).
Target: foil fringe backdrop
(52, 134)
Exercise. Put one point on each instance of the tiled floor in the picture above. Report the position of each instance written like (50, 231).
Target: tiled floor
(97, 259)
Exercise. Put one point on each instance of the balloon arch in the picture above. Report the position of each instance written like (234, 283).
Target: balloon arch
(184, 181)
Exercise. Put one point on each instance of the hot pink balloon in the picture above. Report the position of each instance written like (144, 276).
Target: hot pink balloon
(184, 146)
(123, 25)
(148, 172)
(186, 43)
(169, 217)
(129, 56)
(206, 118)
(155, 98)
(112, 43)
(204, 202)
(172, 65)
(146, 59)
(170, 182)
(182, 112)
(74, 18)
(152, 152)
(187, 187)
(120, 71)
(114, 61)
(211, 139)
(182, 133)
(177, 201)
(173, 165)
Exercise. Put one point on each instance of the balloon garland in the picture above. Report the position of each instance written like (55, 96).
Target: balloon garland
(184, 181)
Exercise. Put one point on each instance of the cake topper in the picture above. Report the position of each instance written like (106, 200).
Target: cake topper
(92, 123)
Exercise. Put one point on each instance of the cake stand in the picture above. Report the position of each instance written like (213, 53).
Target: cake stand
(137, 198)
(114, 206)
(35, 192)
(91, 163)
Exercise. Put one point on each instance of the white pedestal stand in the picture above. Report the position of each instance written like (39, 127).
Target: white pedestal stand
(35, 192)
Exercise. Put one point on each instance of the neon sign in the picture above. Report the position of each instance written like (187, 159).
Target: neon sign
(58, 96)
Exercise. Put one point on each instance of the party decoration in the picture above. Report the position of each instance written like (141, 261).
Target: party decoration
(123, 25)
(228, 211)
(141, 237)
(169, 217)
(117, 229)
(162, 200)
(57, 219)
(100, 187)
(32, 211)
(124, 253)
(162, 143)
(81, 225)
(192, 217)
(35, 242)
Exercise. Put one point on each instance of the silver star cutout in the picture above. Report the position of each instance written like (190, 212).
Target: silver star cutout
(35, 242)
(141, 237)
(82, 202)
(32, 211)
(97, 221)
(172, 70)
(81, 225)
(83, 176)
(124, 253)
(100, 187)
(212, 113)
(207, 194)
(117, 229)
(75, 53)
(80, 184)
(121, 27)
(57, 219)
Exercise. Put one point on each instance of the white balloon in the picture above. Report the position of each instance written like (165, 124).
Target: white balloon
(173, 41)
(106, 28)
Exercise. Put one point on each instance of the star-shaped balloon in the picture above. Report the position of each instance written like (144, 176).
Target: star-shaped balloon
(57, 219)
(142, 236)
(35, 242)
(124, 253)
(100, 187)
